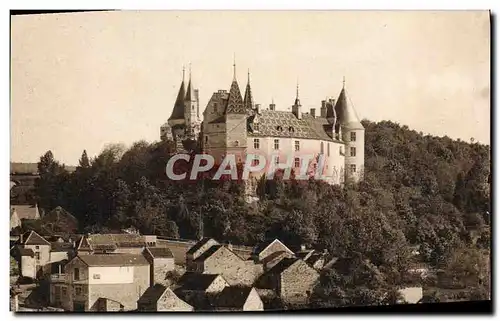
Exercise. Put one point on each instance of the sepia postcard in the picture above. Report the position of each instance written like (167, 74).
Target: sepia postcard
(208, 161)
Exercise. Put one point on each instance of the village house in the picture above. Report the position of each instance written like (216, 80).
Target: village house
(21, 212)
(198, 289)
(197, 250)
(96, 282)
(219, 259)
(115, 243)
(161, 262)
(159, 298)
(270, 252)
(292, 279)
(238, 299)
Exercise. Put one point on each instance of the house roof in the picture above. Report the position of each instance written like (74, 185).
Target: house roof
(29, 212)
(60, 246)
(235, 101)
(113, 241)
(199, 245)
(208, 253)
(346, 114)
(264, 245)
(283, 265)
(34, 238)
(192, 281)
(152, 294)
(160, 252)
(178, 111)
(233, 297)
(114, 260)
(25, 252)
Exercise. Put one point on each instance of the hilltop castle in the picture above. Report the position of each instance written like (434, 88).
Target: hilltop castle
(234, 124)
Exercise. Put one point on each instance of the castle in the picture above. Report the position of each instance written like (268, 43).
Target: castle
(234, 124)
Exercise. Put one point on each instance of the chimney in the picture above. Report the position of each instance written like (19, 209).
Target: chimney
(257, 108)
(230, 246)
(272, 106)
(302, 247)
(323, 109)
(313, 112)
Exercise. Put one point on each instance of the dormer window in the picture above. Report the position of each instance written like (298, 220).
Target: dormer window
(291, 129)
(236, 143)
(279, 128)
(256, 127)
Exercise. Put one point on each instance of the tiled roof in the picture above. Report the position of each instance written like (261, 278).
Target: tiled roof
(192, 281)
(160, 252)
(35, 239)
(235, 102)
(276, 123)
(208, 253)
(232, 297)
(111, 241)
(114, 260)
(152, 294)
(60, 246)
(29, 212)
(263, 245)
(198, 245)
(282, 265)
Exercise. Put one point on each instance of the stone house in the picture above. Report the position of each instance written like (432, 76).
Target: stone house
(238, 299)
(197, 250)
(159, 298)
(90, 280)
(221, 260)
(161, 262)
(292, 279)
(265, 249)
(33, 254)
(198, 289)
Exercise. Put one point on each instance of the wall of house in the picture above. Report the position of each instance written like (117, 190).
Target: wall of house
(253, 302)
(190, 265)
(334, 161)
(359, 159)
(57, 256)
(161, 266)
(170, 302)
(111, 274)
(44, 252)
(28, 267)
(412, 294)
(125, 293)
(297, 282)
(217, 285)
(231, 267)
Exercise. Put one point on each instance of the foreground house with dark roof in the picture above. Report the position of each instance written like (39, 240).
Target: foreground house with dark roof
(159, 298)
(238, 299)
(198, 289)
(292, 279)
(114, 243)
(270, 252)
(90, 280)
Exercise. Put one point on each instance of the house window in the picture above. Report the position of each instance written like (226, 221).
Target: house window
(297, 145)
(76, 274)
(328, 150)
(64, 291)
(353, 168)
(96, 276)
(206, 139)
(276, 144)
(256, 127)
(277, 160)
(256, 143)
(353, 151)
(37, 247)
(37, 256)
(78, 290)
(297, 162)
(279, 128)
(291, 129)
(236, 143)
(322, 148)
(255, 160)
(353, 136)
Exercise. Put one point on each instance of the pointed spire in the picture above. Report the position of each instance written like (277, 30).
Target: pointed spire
(297, 100)
(345, 111)
(178, 111)
(248, 100)
(183, 72)
(343, 82)
(234, 67)
(189, 91)
(235, 101)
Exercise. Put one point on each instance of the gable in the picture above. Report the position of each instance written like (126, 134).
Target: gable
(35, 239)
(273, 247)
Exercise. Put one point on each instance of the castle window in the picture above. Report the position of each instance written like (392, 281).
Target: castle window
(78, 290)
(279, 128)
(353, 168)
(206, 139)
(290, 129)
(353, 136)
(236, 143)
(328, 149)
(353, 151)
(322, 148)
(256, 143)
(297, 145)
(96, 276)
(256, 127)
(277, 160)
(255, 161)
(276, 144)
(296, 162)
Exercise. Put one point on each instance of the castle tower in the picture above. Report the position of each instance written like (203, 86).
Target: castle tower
(353, 134)
(177, 122)
(296, 108)
(191, 111)
(236, 122)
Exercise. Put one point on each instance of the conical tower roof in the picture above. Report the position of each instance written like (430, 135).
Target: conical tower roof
(190, 90)
(248, 100)
(178, 111)
(235, 102)
(346, 115)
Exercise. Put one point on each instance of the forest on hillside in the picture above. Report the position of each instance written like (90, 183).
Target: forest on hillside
(419, 191)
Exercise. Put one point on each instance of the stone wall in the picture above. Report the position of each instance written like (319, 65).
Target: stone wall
(170, 302)
(160, 268)
(231, 267)
(297, 282)
(254, 302)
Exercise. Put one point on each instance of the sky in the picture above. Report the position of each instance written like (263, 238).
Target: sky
(84, 80)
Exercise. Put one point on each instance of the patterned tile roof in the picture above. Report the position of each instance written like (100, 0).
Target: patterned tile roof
(235, 102)
(276, 123)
